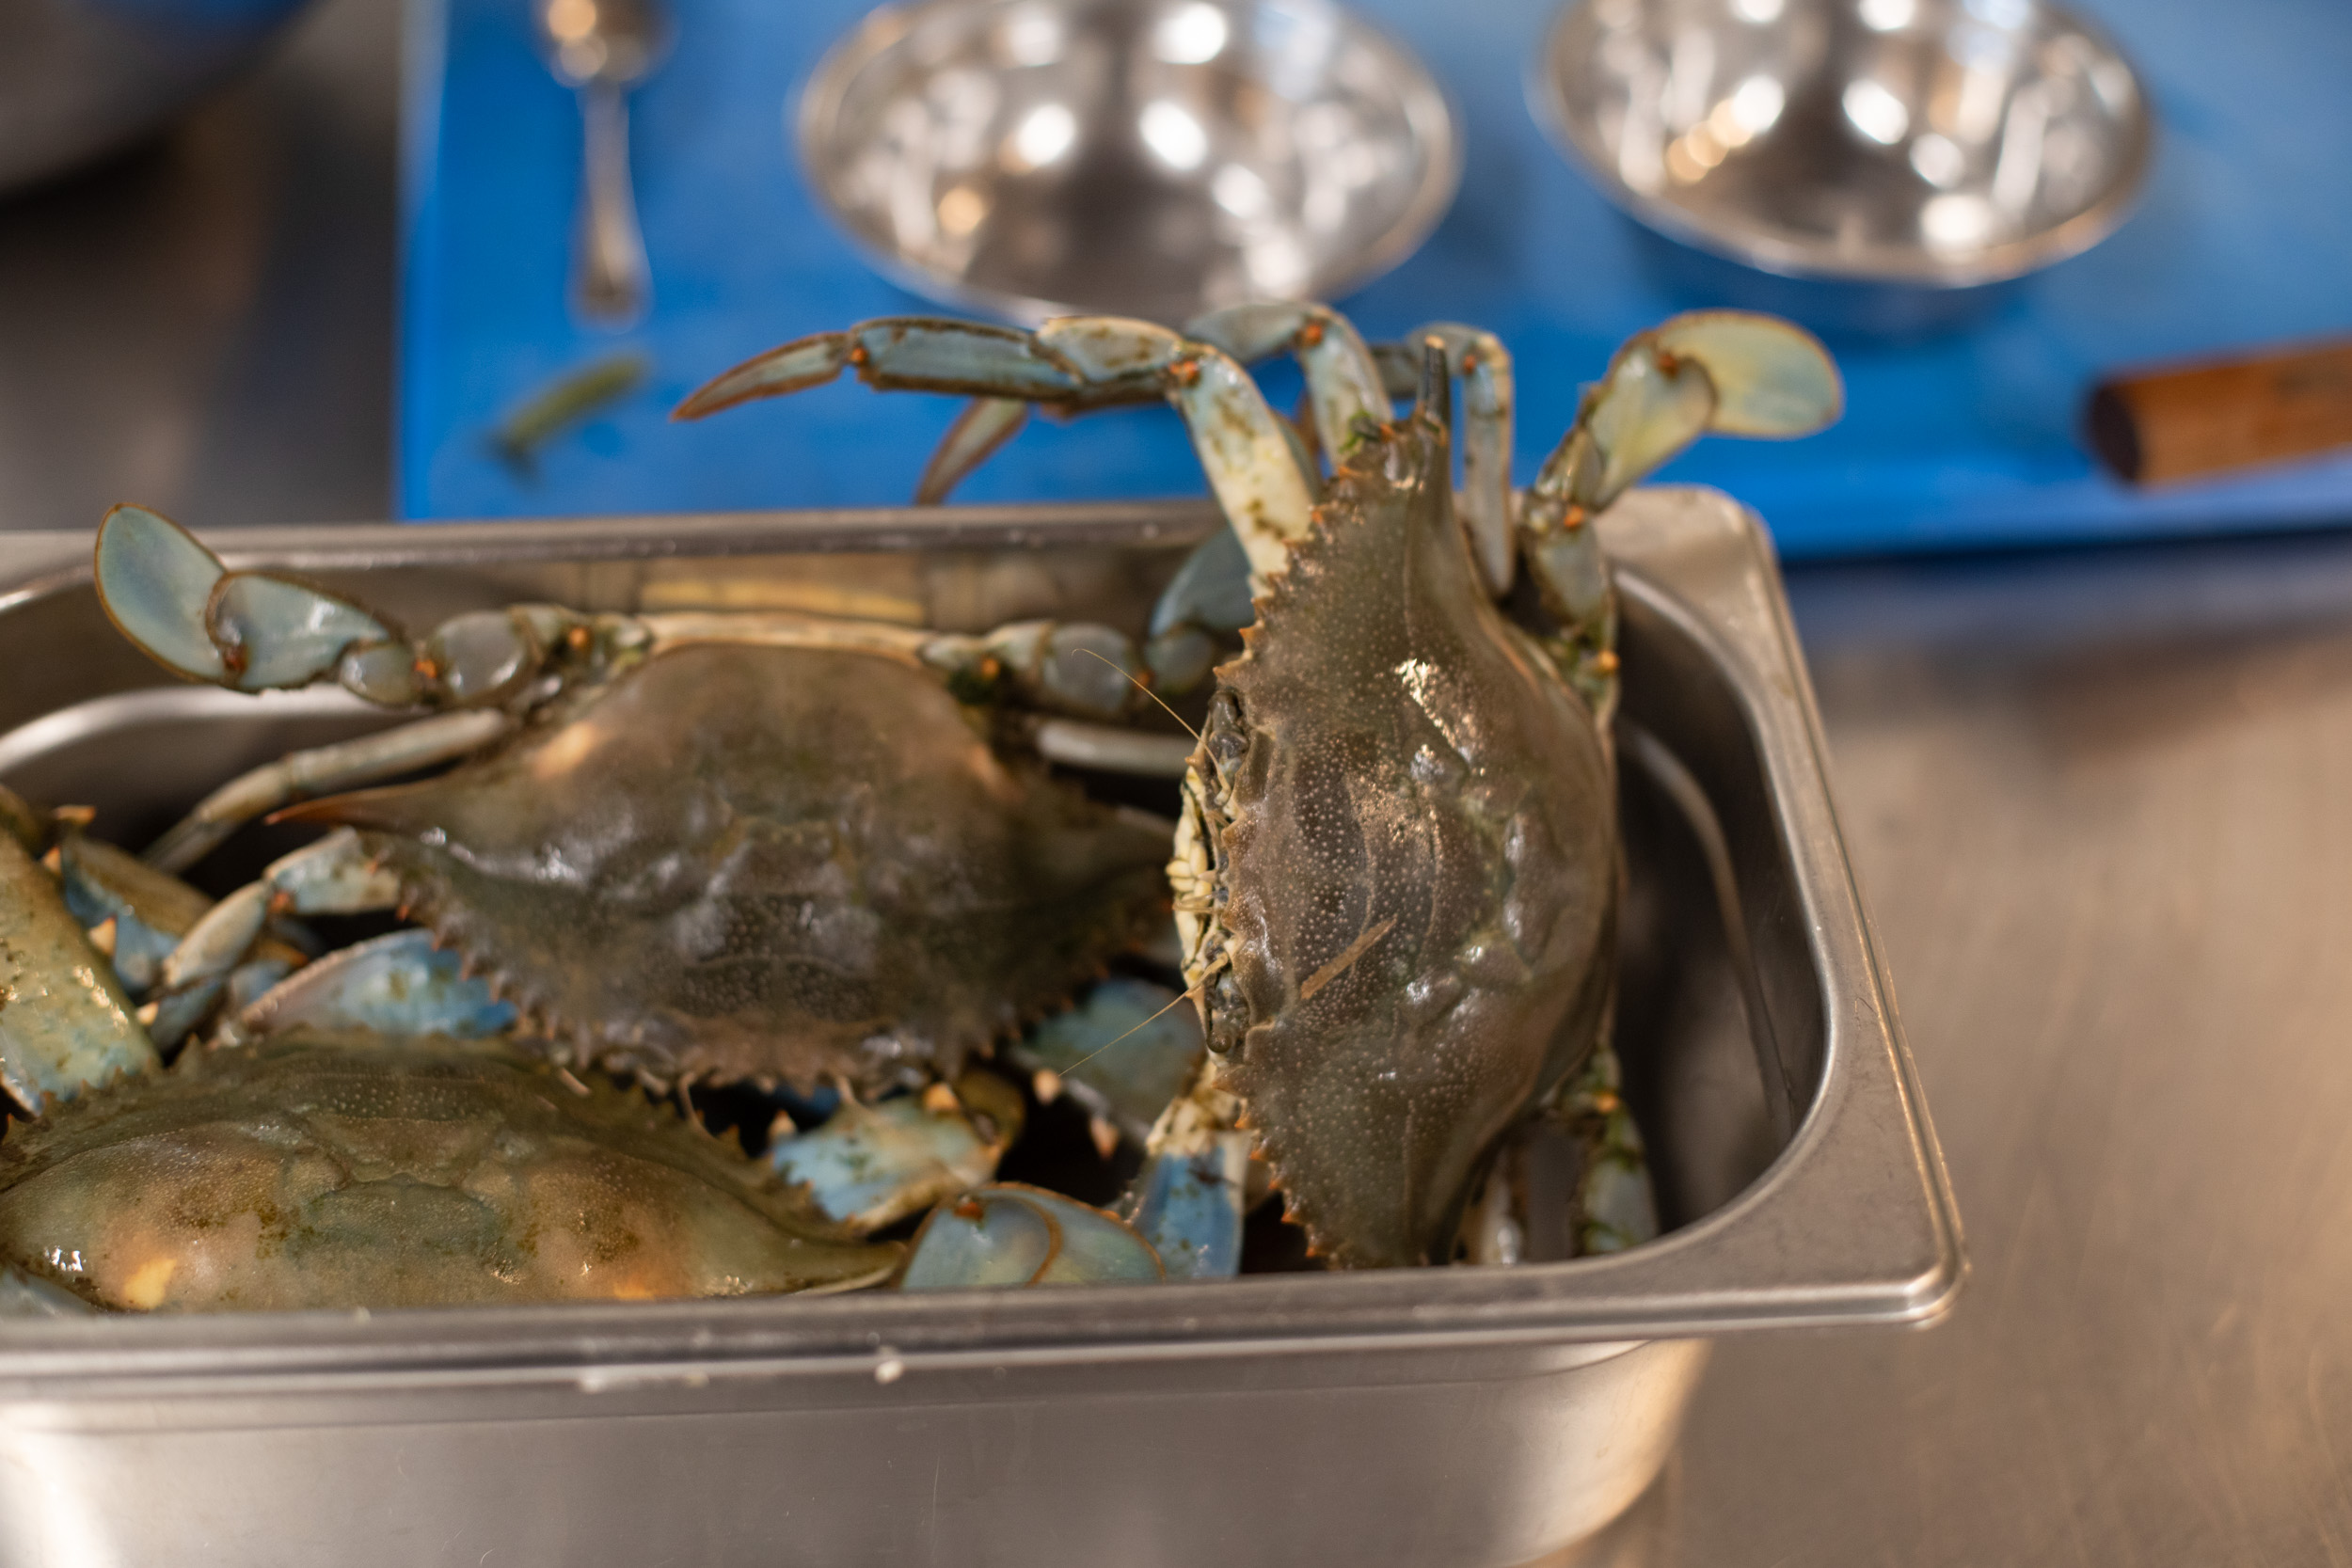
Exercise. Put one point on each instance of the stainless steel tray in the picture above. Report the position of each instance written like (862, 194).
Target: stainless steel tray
(1459, 1417)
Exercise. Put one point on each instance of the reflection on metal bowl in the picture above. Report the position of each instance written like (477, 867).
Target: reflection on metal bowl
(1039, 156)
(80, 78)
(1902, 147)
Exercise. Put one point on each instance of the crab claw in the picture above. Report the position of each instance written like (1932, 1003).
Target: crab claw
(249, 631)
(1014, 1234)
(398, 984)
(1731, 371)
(1068, 364)
(923, 354)
(65, 1024)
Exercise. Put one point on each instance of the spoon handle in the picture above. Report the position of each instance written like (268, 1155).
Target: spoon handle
(613, 279)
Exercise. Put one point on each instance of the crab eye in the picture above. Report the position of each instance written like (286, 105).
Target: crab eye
(1227, 740)
(1228, 1015)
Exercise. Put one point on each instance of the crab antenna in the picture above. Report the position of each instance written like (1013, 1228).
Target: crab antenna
(1436, 399)
(1190, 994)
(1135, 682)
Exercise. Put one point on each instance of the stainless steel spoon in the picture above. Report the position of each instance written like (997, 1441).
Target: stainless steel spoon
(603, 48)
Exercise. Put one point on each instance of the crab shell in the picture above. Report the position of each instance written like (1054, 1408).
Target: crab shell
(322, 1170)
(1399, 866)
(744, 862)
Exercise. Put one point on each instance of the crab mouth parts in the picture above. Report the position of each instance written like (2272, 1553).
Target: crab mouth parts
(1194, 878)
(1197, 876)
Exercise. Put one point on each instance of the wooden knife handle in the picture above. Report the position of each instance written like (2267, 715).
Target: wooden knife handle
(2201, 418)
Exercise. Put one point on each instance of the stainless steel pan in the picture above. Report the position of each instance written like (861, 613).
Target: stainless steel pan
(1460, 1416)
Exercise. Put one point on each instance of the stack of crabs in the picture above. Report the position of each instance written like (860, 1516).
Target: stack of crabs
(845, 864)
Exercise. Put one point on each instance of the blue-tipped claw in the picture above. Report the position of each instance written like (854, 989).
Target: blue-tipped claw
(65, 1024)
(1190, 1207)
(870, 1166)
(1015, 1235)
(149, 911)
(399, 986)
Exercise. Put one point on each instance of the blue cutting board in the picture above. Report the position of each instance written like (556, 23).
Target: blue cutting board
(2244, 235)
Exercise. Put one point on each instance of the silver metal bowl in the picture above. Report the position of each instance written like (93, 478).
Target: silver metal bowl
(81, 78)
(1933, 144)
(1151, 158)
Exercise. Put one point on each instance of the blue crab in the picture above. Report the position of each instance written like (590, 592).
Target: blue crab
(374, 1141)
(367, 1134)
(767, 848)
(772, 848)
(1397, 869)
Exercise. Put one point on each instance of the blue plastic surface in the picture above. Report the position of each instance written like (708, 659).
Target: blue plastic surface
(2244, 235)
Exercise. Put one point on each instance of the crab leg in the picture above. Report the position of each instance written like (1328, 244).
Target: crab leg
(399, 986)
(1212, 593)
(132, 914)
(926, 353)
(1010, 1234)
(1479, 363)
(261, 630)
(137, 915)
(1123, 1053)
(1108, 750)
(1191, 1207)
(985, 424)
(1731, 371)
(1071, 667)
(1343, 383)
(1193, 1192)
(1571, 1181)
(300, 775)
(65, 1024)
(331, 877)
(1001, 369)
(871, 1165)
(1075, 362)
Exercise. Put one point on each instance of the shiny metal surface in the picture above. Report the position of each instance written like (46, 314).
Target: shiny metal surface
(603, 48)
(205, 325)
(1939, 143)
(1154, 159)
(80, 78)
(1021, 1422)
